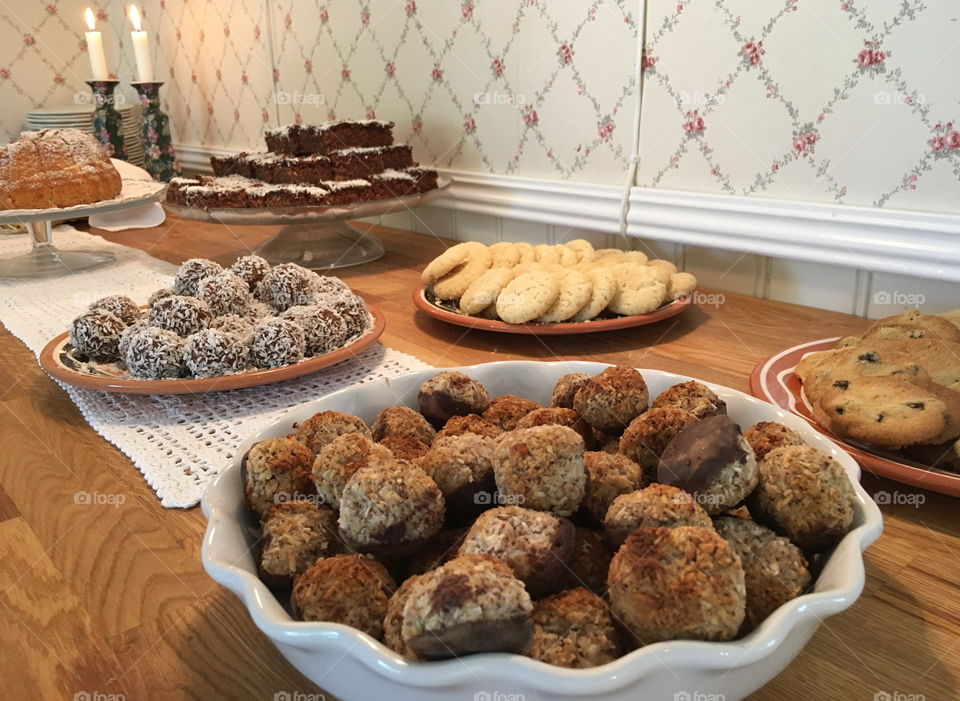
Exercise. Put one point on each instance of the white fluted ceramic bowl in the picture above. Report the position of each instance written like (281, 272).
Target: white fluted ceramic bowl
(352, 665)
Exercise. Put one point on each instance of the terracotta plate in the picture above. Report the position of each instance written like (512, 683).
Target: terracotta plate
(434, 309)
(774, 380)
(58, 360)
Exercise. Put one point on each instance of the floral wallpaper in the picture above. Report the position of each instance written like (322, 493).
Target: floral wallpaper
(824, 100)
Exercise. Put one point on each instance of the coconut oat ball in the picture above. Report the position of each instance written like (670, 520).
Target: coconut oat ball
(150, 353)
(405, 447)
(402, 421)
(339, 459)
(591, 561)
(541, 468)
(96, 335)
(712, 461)
(390, 509)
(574, 629)
(250, 269)
(354, 312)
(286, 285)
(225, 293)
(805, 495)
(557, 416)
(611, 400)
(276, 342)
(239, 326)
(449, 394)
(160, 294)
(608, 476)
(536, 545)
(120, 305)
(647, 435)
(462, 466)
(471, 423)
(471, 604)
(211, 353)
(393, 620)
(507, 410)
(349, 589)
(323, 427)
(692, 396)
(442, 548)
(191, 272)
(767, 435)
(180, 314)
(566, 388)
(775, 570)
(295, 534)
(658, 505)
(275, 470)
(324, 330)
(677, 583)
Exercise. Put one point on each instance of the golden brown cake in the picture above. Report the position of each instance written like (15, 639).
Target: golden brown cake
(55, 168)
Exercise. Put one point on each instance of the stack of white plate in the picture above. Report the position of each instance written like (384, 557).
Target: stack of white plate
(81, 117)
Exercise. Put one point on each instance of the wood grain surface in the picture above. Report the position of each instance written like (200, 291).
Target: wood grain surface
(110, 597)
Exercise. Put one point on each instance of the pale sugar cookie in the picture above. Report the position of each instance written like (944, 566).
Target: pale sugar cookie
(505, 255)
(635, 257)
(547, 253)
(450, 259)
(527, 254)
(680, 285)
(575, 290)
(604, 287)
(484, 291)
(582, 248)
(567, 256)
(640, 289)
(527, 296)
(455, 283)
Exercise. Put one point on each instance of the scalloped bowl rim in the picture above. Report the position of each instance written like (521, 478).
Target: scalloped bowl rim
(271, 618)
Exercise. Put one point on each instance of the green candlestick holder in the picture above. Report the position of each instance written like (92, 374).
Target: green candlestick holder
(159, 157)
(107, 122)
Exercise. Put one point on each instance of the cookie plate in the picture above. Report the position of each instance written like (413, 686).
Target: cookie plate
(439, 310)
(350, 664)
(774, 380)
(61, 363)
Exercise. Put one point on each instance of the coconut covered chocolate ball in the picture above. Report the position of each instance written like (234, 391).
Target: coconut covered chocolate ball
(390, 509)
(393, 620)
(96, 335)
(536, 545)
(354, 312)
(775, 569)
(150, 353)
(276, 342)
(324, 330)
(655, 506)
(275, 470)
(286, 285)
(611, 400)
(471, 423)
(566, 389)
(805, 495)
(541, 468)
(121, 306)
(557, 416)
(608, 476)
(212, 353)
(402, 421)
(591, 561)
(295, 534)
(768, 435)
(574, 629)
(250, 269)
(225, 293)
(712, 461)
(471, 604)
(328, 287)
(449, 394)
(191, 272)
(180, 314)
(692, 396)
(350, 589)
(462, 466)
(507, 410)
(677, 583)
(239, 326)
(645, 439)
(323, 427)
(339, 459)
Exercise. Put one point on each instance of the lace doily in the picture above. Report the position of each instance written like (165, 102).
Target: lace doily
(178, 442)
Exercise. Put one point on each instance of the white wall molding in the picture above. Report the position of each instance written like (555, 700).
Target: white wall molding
(918, 244)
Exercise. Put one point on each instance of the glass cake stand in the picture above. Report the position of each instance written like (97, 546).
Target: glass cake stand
(319, 238)
(45, 259)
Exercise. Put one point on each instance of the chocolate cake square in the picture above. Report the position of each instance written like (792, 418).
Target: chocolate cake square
(301, 140)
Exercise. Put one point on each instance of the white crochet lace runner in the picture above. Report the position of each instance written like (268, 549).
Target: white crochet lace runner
(178, 442)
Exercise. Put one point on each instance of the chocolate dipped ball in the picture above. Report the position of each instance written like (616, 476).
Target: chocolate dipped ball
(276, 342)
(324, 426)
(442, 548)
(339, 459)
(402, 421)
(191, 273)
(471, 604)
(393, 620)
(658, 505)
(711, 460)
(295, 534)
(449, 394)
(150, 353)
(591, 561)
(566, 389)
(471, 423)
(180, 314)
(608, 476)
(96, 335)
(692, 396)
(612, 399)
(462, 466)
(573, 629)
(275, 470)
(768, 435)
(212, 352)
(645, 439)
(505, 411)
(121, 306)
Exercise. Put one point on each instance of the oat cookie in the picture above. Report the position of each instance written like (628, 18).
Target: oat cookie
(505, 255)
(582, 248)
(547, 253)
(455, 283)
(527, 253)
(484, 291)
(527, 296)
(604, 286)
(448, 260)
(567, 256)
(640, 289)
(681, 285)
(575, 290)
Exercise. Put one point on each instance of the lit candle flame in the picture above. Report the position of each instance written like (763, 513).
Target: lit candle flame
(135, 17)
(91, 22)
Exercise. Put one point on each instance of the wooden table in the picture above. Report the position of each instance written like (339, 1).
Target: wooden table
(112, 598)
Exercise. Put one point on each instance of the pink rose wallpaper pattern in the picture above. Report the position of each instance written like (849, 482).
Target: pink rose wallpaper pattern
(821, 100)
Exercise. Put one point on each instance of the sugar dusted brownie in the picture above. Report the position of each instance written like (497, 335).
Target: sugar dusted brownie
(298, 140)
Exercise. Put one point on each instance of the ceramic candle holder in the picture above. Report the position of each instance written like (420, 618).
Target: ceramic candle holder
(159, 158)
(107, 122)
